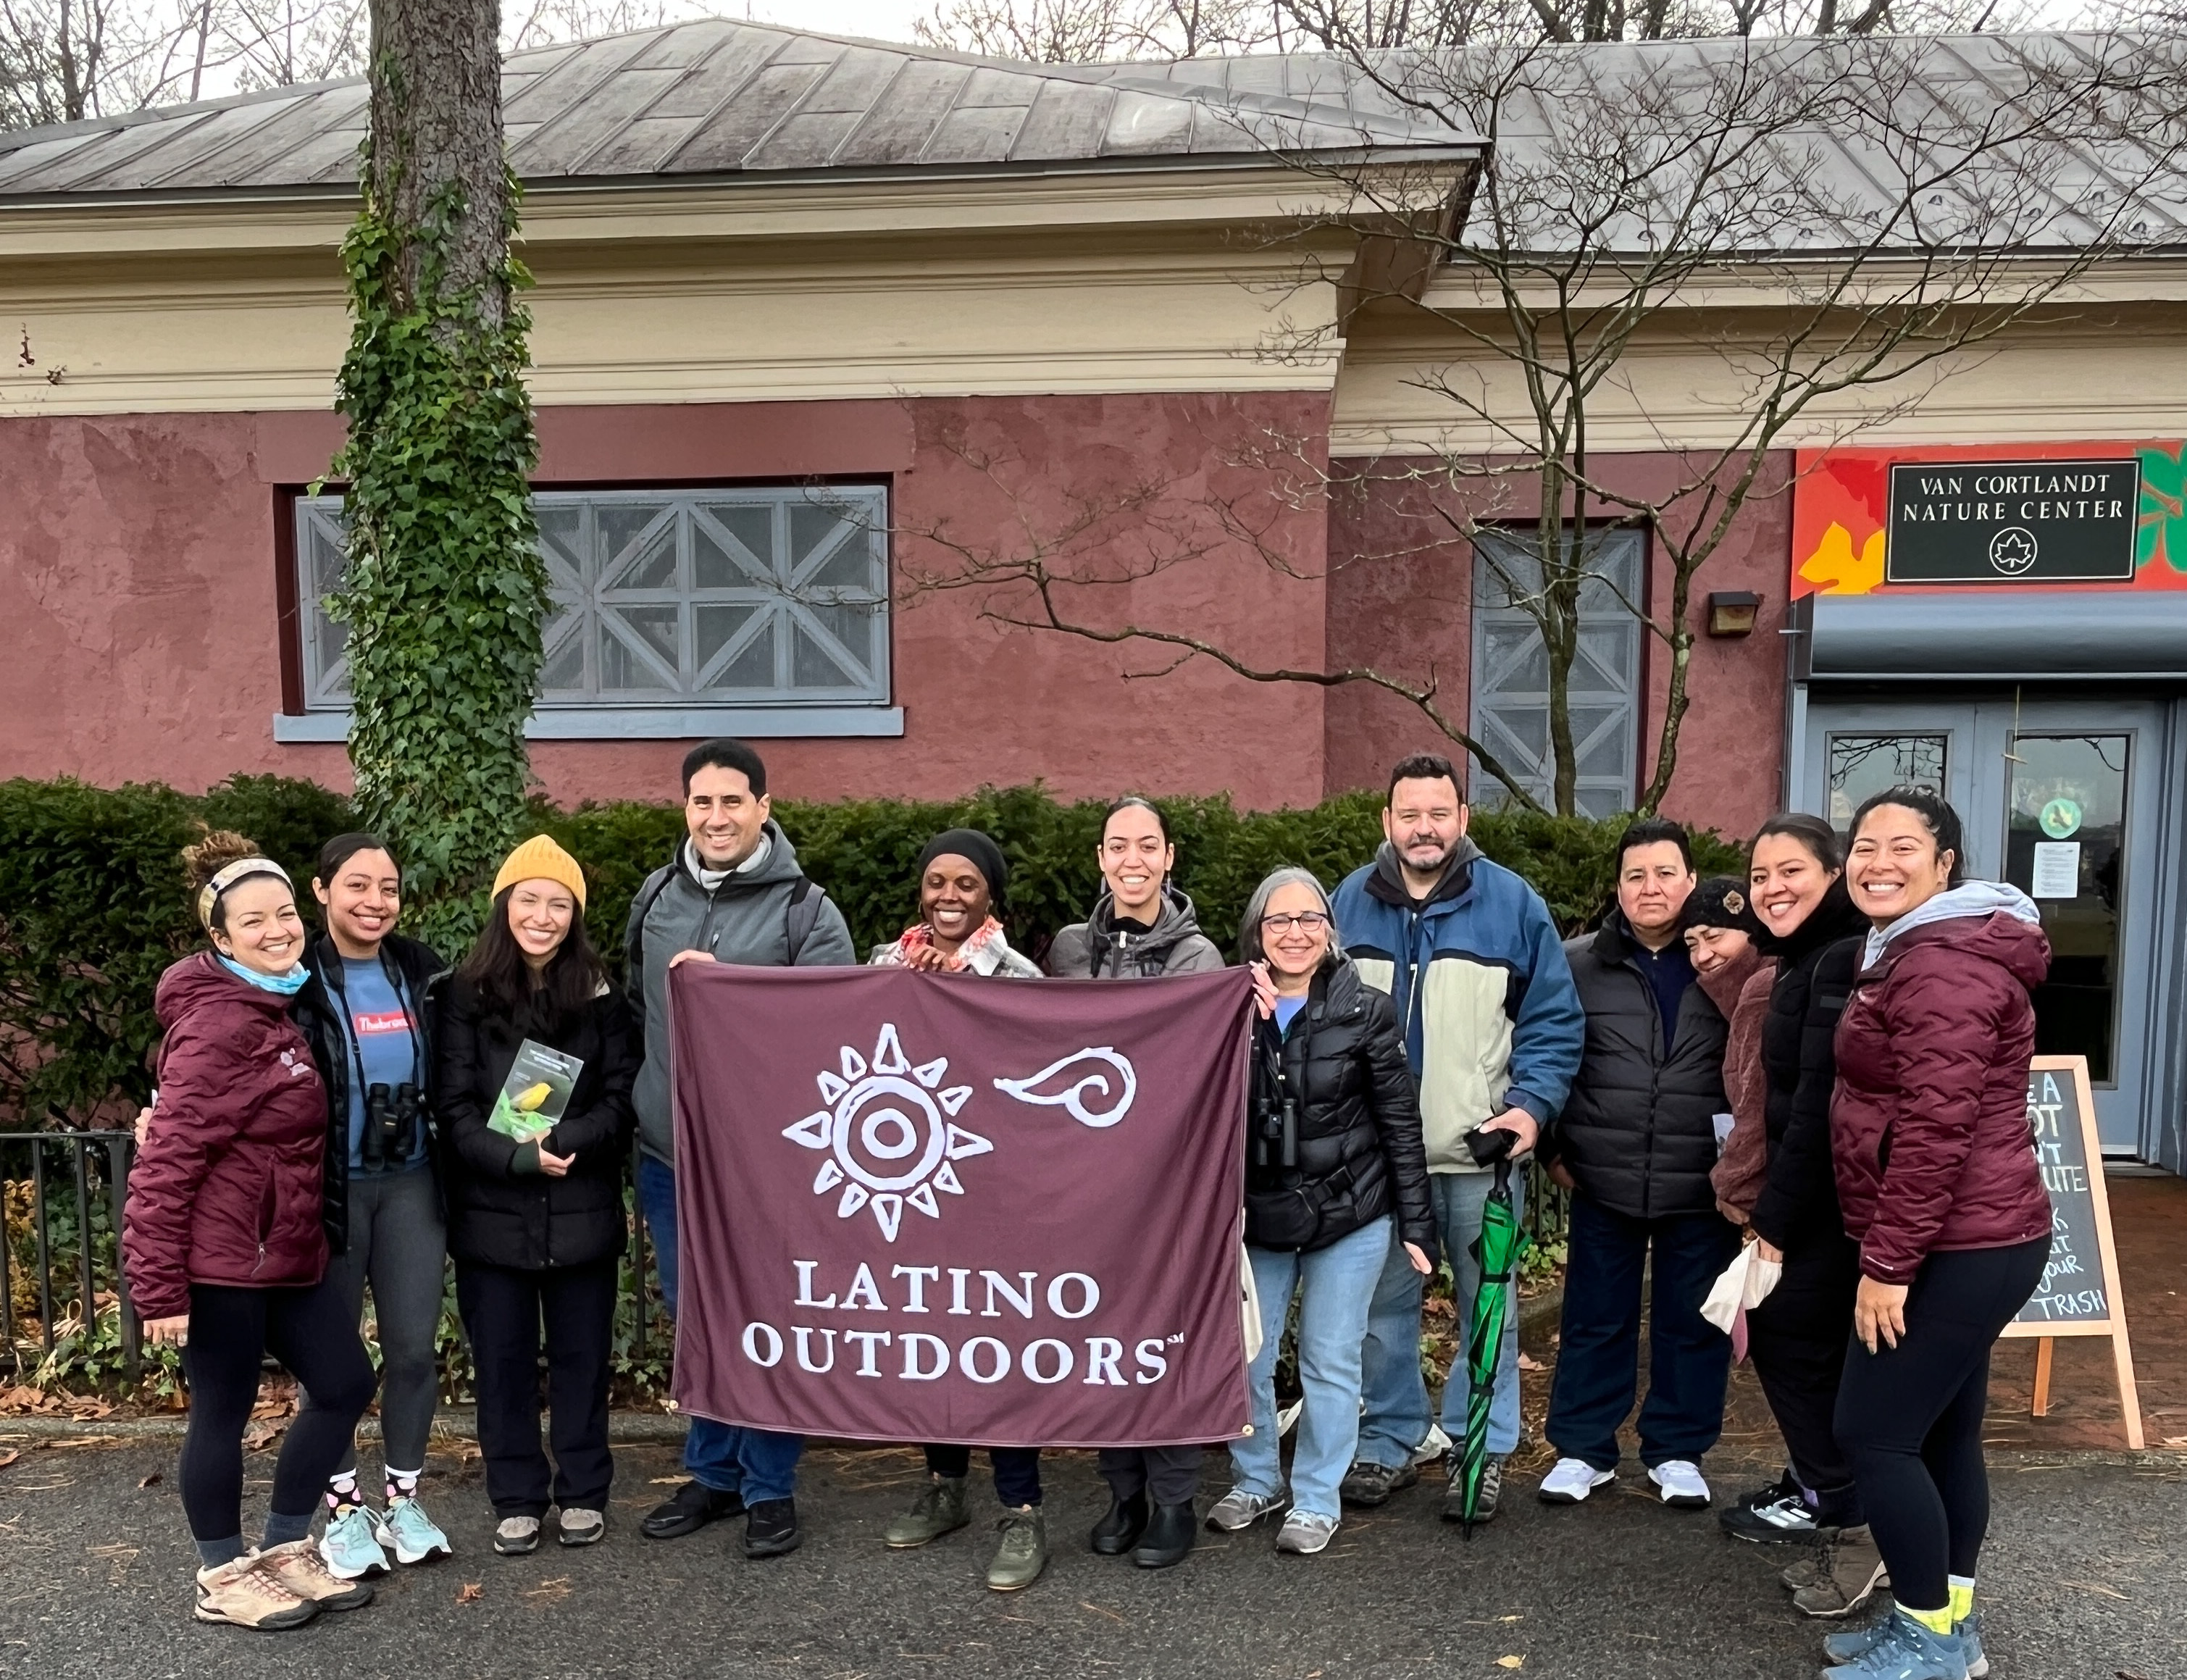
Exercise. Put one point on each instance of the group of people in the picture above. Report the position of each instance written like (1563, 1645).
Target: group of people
(1827, 1056)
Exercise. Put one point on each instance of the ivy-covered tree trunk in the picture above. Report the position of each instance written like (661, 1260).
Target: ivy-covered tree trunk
(445, 592)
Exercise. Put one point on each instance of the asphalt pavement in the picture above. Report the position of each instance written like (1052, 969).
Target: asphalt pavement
(2082, 1581)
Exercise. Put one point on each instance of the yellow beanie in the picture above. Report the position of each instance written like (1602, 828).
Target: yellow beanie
(539, 859)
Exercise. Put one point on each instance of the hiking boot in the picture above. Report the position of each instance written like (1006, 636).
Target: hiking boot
(242, 1594)
(1572, 1481)
(1903, 1650)
(350, 1546)
(1305, 1533)
(689, 1509)
(1369, 1484)
(512, 1536)
(576, 1525)
(298, 1566)
(410, 1534)
(1806, 1569)
(1119, 1530)
(1239, 1509)
(1022, 1553)
(1492, 1489)
(1855, 1643)
(1679, 1482)
(1168, 1536)
(1853, 1569)
(939, 1509)
(771, 1529)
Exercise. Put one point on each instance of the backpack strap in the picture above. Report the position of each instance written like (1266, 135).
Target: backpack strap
(633, 950)
(806, 898)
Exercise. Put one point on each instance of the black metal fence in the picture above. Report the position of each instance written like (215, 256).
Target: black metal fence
(60, 1230)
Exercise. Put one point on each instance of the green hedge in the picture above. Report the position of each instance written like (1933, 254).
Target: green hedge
(92, 904)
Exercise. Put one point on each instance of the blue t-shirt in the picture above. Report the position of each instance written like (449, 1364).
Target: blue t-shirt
(1286, 1008)
(381, 1033)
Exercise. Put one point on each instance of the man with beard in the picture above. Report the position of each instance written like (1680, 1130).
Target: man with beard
(1493, 1031)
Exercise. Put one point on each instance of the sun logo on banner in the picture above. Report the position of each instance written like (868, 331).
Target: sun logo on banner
(890, 1133)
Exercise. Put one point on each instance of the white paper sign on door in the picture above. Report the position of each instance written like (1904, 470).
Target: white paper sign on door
(2057, 869)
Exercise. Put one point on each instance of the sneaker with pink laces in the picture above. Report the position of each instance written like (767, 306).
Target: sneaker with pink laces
(244, 1595)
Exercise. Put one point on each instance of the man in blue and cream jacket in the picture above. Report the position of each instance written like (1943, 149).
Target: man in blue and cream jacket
(1493, 1030)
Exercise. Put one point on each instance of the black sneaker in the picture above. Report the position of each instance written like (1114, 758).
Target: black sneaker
(689, 1509)
(1367, 1483)
(771, 1529)
(1786, 1520)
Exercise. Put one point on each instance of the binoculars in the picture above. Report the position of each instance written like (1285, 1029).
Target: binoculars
(391, 1125)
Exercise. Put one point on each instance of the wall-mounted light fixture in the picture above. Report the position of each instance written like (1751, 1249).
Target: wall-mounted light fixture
(1732, 612)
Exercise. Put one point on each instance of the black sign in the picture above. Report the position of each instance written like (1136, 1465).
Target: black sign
(2013, 522)
(2073, 1287)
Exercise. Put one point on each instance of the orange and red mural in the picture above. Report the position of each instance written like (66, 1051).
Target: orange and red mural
(1841, 512)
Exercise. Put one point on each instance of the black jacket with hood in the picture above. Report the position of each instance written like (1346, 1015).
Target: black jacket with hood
(1637, 1132)
(416, 974)
(1357, 1152)
(1817, 963)
(1104, 946)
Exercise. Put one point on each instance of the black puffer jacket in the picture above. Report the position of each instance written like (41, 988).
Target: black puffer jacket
(1637, 1131)
(1816, 965)
(1357, 1152)
(413, 968)
(502, 1210)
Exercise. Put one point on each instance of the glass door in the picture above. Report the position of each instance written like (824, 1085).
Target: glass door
(2060, 798)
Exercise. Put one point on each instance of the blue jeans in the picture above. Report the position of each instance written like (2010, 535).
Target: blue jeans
(1337, 1282)
(1396, 1419)
(1598, 1357)
(760, 1464)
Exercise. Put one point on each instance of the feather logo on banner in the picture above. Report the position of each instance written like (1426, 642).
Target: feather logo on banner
(1100, 1065)
(890, 1133)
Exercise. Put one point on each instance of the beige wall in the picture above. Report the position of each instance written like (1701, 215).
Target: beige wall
(766, 294)
(2100, 370)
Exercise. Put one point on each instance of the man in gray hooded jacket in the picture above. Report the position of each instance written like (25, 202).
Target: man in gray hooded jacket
(734, 894)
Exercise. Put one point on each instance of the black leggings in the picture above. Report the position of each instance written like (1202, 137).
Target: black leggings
(1797, 1339)
(1910, 1418)
(314, 1334)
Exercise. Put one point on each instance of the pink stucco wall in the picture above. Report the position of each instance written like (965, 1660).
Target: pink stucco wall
(1399, 598)
(139, 598)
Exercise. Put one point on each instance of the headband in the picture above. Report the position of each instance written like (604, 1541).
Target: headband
(208, 894)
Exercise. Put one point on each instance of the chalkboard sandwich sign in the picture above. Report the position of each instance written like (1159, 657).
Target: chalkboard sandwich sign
(2079, 1294)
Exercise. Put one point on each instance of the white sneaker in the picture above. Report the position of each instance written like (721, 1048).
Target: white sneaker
(1572, 1481)
(1431, 1450)
(1681, 1484)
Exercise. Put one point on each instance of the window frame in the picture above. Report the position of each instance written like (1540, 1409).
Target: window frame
(313, 711)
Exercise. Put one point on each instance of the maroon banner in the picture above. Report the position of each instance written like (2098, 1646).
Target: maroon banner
(936, 1207)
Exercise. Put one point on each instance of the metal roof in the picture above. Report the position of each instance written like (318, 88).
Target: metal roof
(1903, 107)
(716, 98)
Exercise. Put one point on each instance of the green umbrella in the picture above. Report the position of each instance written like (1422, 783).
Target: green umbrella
(1497, 1251)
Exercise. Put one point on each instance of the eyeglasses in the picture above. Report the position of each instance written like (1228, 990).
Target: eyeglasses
(1309, 921)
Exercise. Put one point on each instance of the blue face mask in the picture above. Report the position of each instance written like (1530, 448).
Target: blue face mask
(288, 985)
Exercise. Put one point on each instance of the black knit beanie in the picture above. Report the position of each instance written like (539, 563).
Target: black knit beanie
(985, 855)
(1721, 902)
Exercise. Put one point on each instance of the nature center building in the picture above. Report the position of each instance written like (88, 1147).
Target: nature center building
(845, 352)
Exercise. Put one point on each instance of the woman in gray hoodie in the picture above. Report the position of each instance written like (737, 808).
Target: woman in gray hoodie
(1141, 929)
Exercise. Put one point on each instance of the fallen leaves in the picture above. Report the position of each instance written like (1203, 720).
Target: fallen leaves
(9, 1458)
(1528, 1362)
(25, 1400)
(1511, 1662)
(261, 1436)
(471, 1593)
(549, 1592)
(151, 1481)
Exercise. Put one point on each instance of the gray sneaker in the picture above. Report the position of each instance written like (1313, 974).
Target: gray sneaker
(1368, 1483)
(1305, 1532)
(1022, 1553)
(1492, 1489)
(939, 1509)
(1239, 1509)
(512, 1536)
(1851, 1569)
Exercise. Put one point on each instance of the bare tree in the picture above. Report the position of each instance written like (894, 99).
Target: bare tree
(1083, 31)
(1877, 225)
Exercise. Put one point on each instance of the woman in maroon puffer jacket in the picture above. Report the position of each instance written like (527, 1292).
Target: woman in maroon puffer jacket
(1937, 1179)
(223, 1243)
